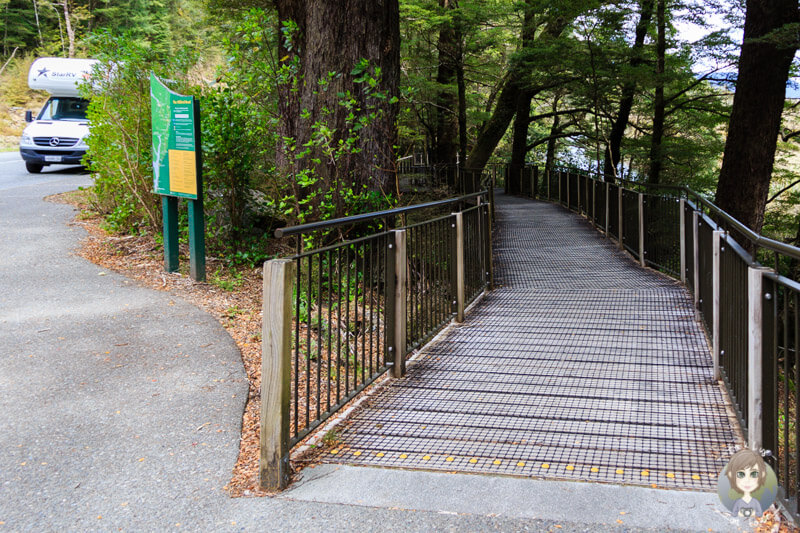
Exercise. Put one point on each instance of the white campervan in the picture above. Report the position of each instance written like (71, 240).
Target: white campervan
(58, 134)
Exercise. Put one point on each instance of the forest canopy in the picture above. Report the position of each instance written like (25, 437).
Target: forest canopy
(308, 106)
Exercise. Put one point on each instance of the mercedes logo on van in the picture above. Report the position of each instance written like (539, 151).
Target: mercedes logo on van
(54, 141)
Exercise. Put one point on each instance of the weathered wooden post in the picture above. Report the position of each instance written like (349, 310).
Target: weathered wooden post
(755, 357)
(641, 231)
(458, 277)
(696, 257)
(396, 316)
(276, 342)
(682, 216)
(716, 260)
(619, 213)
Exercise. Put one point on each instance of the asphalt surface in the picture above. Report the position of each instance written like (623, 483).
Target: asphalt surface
(120, 409)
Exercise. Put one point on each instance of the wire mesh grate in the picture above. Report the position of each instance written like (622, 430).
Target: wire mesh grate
(582, 365)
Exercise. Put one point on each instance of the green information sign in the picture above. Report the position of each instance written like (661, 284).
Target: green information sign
(177, 172)
(176, 161)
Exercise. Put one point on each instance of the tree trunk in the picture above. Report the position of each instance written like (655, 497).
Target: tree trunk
(756, 114)
(612, 156)
(445, 145)
(519, 144)
(333, 37)
(70, 30)
(506, 106)
(656, 153)
(496, 127)
(550, 157)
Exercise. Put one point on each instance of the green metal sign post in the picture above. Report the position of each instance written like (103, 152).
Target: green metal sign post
(178, 172)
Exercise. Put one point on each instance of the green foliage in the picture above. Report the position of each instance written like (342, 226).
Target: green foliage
(119, 154)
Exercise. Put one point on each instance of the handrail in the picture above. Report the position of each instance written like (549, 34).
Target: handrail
(749, 234)
(312, 226)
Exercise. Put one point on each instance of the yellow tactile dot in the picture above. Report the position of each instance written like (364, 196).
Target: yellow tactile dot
(357, 453)
(521, 463)
(379, 454)
(497, 462)
(473, 461)
(545, 465)
(426, 458)
(670, 475)
(595, 469)
(620, 471)
(403, 456)
(570, 467)
(449, 459)
(334, 452)
(645, 473)
(695, 477)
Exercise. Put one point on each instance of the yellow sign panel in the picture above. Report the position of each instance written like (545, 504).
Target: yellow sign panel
(183, 171)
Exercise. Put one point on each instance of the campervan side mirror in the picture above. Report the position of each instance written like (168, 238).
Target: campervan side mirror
(29, 116)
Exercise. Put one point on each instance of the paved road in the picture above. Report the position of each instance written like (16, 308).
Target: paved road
(120, 409)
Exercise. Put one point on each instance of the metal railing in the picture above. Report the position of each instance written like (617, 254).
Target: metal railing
(338, 317)
(751, 312)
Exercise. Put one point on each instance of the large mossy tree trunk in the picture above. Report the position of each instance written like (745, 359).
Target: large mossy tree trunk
(322, 44)
(445, 145)
(617, 133)
(753, 129)
(656, 140)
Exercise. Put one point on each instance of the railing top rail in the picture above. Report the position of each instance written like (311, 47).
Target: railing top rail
(752, 236)
(313, 226)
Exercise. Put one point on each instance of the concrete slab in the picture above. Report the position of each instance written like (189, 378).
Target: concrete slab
(567, 502)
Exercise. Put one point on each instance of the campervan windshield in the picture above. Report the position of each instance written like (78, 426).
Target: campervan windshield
(64, 108)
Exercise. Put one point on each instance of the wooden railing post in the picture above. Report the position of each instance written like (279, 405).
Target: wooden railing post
(399, 316)
(641, 230)
(276, 342)
(755, 362)
(619, 213)
(715, 284)
(696, 257)
(608, 192)
(458, 276)
(682, 207)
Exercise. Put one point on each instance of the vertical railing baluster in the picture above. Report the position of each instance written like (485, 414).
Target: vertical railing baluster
(339, 267)
(330, 328)
(319, 335)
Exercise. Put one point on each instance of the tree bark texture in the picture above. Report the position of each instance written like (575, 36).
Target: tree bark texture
(445, 145)
(756, 114)
(514, 84)
(333, 37)
(613, 150)
(656, 152)
(519, 141)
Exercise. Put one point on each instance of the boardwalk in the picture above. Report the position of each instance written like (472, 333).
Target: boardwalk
(581, 365)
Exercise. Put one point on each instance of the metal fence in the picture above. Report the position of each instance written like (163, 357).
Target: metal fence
(751, 312)
(338, 317)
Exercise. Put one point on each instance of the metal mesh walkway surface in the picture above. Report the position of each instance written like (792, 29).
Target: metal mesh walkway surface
(580, 365)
